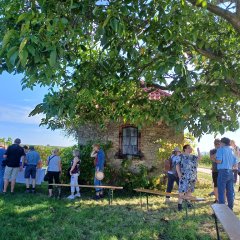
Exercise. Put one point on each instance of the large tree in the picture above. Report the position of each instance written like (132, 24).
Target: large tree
(95, 55)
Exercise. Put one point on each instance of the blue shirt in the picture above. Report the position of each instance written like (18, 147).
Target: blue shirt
(225, 155)
(100, 160)
(32, 157)
(2, 152)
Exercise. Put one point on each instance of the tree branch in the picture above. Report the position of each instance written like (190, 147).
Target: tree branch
(232, 18)
(238, 8)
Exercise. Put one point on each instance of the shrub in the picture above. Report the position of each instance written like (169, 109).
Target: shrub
(206, 160)
(87, 164)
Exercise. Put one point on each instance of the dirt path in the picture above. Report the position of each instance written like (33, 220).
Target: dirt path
(205, 170)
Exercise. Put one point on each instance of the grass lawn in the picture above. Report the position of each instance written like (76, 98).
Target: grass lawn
(36, 217)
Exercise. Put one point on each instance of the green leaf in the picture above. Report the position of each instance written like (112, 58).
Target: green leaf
(114, 24)
(31, 49)
(23, 55)
(64, 21)
(23, 44)
(12, 55)
(23, 16)
(53, 57)
(7, 37)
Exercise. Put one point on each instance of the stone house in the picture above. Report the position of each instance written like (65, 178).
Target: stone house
(140, 145)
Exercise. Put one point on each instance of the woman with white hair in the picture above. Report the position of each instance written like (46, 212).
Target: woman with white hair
(54, 170)
(75, 172)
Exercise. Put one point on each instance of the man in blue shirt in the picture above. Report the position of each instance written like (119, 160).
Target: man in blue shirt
(99, 167)
(225, 160)
(2, 168)
(32, 159)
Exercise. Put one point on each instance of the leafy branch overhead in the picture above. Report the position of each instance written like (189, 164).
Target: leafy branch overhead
(95, 55)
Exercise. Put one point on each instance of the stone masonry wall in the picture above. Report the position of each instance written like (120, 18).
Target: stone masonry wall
(148, 143)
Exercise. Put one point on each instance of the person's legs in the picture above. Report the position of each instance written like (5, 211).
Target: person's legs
(76, 184)
(222, 181)
(50, 181)
(1, 178)
(56, 176)
(170, 183)
(13, 178)
(215, 189)
(27, 178)
(230, 190)
(33, 176)
(97, 183)
(72, 183)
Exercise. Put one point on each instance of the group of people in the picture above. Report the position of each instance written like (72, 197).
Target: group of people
(183, 170)
(15, 158)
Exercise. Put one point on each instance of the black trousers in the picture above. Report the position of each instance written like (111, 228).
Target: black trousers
(53, 176)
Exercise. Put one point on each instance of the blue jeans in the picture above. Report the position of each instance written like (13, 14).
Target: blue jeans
(1, 178)
(171, 179)
(225, 183)
(99, 183)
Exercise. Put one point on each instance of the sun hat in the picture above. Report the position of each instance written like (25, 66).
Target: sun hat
(99, 175)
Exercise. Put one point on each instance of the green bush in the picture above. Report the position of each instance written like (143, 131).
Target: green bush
(206, 160)
(87, 163)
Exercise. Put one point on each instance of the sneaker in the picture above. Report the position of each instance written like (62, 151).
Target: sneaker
(101, 196)
(27, 191)
(77, 195)
(71, 197)
(180, 208)
(33, 191)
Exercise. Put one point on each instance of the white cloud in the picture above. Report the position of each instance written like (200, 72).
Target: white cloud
(18, 114)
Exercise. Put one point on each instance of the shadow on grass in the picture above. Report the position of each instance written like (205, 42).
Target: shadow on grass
(35, 216)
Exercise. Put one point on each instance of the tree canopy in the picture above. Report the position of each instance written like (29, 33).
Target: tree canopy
(95, 56)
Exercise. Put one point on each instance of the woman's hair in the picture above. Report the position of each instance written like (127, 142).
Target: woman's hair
(96, 145)
(185, 147)
(76, 153)
(55, 151)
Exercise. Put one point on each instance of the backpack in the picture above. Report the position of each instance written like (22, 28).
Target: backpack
(168, 164)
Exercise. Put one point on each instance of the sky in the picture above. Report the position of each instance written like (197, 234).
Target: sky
(16, 104)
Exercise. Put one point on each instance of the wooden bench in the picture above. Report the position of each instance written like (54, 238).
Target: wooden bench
(228, 219)
(166, 194)
(110, 189)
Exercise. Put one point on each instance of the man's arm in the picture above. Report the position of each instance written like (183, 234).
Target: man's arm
(199, 154)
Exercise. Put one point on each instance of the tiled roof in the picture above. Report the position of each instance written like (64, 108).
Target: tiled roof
(156, 94)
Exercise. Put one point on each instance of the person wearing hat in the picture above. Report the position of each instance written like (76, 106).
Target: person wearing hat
(172, 172)
(13, 155)
(32, 160)
(187, 173)
(226, 161)
(2, 168)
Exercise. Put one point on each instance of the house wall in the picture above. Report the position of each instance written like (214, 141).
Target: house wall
(148, 145)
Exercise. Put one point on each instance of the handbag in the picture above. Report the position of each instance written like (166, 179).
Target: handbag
(46, 177)
(99, 175)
